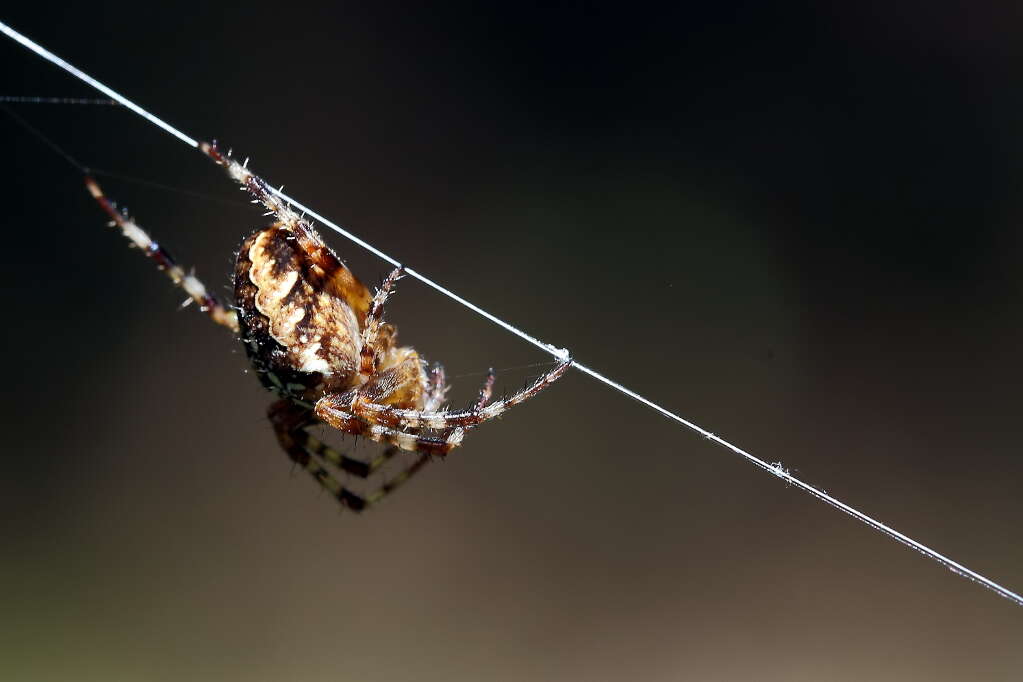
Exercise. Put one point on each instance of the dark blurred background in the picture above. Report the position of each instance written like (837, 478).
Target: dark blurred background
(795, 224)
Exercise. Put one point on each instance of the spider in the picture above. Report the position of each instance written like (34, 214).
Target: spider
(317, 339)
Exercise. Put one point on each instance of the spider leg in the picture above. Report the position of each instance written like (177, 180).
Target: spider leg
(392, 483)
(193, 287)
(437, 388)
(361, 469)
(356, 467)
(410, 440)
(290, 422)
(368, 354)
(400, 420)
(486, 392)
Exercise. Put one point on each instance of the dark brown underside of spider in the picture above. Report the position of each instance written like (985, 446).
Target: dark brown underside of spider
(316, 338)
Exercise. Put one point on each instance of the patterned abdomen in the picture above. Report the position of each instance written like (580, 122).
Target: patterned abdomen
(301, 337)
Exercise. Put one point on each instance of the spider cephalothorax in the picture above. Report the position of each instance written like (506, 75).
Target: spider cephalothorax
(316, 338)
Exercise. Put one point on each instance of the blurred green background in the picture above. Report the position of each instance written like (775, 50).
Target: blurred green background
(797, 224)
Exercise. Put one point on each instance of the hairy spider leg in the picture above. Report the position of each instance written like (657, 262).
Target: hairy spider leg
(329, 409)
(195, 289)
(436, 391)
(290, 422)
(401, 419)
(370, 351)
(437, 388)
(486, 392)
(354, 413)
(343, 420)
(343, 462)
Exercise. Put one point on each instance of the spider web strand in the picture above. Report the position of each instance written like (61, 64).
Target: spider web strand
(23, 99)
(775, 469)
(89, 80)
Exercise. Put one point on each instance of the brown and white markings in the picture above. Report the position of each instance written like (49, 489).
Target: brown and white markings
(318, 340)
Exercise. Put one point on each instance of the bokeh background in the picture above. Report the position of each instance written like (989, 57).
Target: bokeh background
(797, 224)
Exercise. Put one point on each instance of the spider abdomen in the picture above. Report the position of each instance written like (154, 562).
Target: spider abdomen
(301, 336)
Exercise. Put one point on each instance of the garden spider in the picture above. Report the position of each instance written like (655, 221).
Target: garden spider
(317, 339)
